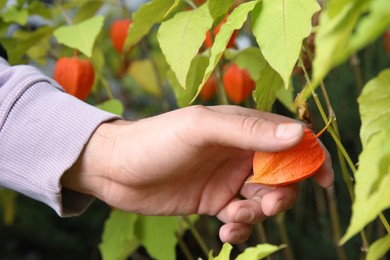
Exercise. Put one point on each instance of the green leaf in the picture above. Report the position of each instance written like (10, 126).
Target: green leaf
(250, 59)
(2, 4)
(15, 15)
(80, 36)
(144, 72)
(23, 41)
(259, 252)
(234, 22)
(87, 10)
(379, 248)
(184, 96)
(286, 97)
(39, 8)
(374, 106)
(157, 235)
(113, 106)
(267, 86)
(279, 27)
(371, 25)
(225, 252)
(333, 33)
(181, 37)
(145, 17)
(218, 9)
(118, 240)
(369, 204)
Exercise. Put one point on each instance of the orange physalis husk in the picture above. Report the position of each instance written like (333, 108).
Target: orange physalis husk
(290, 166)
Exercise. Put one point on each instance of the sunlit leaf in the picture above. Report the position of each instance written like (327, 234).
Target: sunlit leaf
(118, 240)
(184, 96)
(267, 85)
(13, 14)
(379, 248)
(145, 17)
(113, 106)
(146, 74)
(181, 37)
(368, 203)
(259, 252)
(225, 252)
(218, 9)
(234, 22)
(157, 235)
(81, 36)
(374, 106)
(279, 27)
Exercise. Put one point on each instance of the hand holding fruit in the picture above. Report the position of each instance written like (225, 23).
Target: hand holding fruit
(192, 160)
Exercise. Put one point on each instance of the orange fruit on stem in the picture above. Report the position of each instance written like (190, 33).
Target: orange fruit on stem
(237, 83)
(75, 76)
(209, 89)
(118, 33)
(290, 166)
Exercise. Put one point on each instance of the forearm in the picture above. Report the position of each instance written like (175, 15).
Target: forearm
(42, 133)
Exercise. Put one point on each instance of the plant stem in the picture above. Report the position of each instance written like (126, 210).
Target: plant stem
(221, 94)
(183, 247)
(384, 222)
(283, 234)
(333, 130)
(107, 88)
(330, 193)
(197, 236)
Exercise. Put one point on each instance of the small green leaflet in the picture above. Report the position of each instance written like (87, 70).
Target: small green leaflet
(258, 252)
(224, 254)
(374, 106)
(379, 248)
(158, 235)
(113, 106)
(279, 27)
(81, 36)
(119, 239)
(145, 17)
(234, 22)
(181, 37)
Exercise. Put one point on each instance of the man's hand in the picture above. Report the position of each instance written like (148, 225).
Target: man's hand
(191, 160)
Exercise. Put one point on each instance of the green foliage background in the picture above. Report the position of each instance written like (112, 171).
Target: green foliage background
(169, 67)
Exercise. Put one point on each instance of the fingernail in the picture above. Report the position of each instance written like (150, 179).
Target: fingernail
(244, 215)
(288, 131)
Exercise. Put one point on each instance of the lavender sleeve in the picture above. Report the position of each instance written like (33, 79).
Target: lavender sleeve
(42, 133)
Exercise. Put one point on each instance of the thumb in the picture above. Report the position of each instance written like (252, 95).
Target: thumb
(251, 132)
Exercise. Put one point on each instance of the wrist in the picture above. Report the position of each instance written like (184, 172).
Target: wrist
(90, 172)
